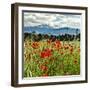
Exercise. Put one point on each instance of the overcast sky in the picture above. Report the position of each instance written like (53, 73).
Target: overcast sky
(52, 20)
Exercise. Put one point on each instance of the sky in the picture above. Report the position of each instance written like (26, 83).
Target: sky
(52, 20)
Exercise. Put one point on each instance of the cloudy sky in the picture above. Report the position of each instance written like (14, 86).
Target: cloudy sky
(52, 20)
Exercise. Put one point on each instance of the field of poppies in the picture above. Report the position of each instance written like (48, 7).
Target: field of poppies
(51, 58)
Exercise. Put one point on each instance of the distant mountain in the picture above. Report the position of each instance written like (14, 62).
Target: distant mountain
(45, 29)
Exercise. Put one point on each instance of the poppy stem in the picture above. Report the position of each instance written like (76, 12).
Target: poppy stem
(30, 74)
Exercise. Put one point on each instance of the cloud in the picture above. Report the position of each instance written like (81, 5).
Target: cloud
(52, 20)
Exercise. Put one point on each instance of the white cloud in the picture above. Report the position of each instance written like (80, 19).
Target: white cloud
(52, 20)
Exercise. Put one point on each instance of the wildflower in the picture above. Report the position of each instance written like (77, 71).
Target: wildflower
(43, 68)
(46, 53)
(57, 44)
(35, 45)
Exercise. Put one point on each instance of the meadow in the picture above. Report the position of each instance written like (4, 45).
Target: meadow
(45, 57)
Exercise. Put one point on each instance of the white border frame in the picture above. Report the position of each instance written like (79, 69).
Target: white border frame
(56, 78)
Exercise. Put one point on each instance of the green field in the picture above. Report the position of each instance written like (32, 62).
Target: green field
(46, 58)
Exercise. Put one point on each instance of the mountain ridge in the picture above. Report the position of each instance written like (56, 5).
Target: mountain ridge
(45, 30)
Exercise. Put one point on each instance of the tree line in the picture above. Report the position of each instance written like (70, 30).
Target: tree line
(65, 37)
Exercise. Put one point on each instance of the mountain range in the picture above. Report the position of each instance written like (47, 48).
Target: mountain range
(45, 29)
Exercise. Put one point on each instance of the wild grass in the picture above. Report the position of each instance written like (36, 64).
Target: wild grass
(47, 58)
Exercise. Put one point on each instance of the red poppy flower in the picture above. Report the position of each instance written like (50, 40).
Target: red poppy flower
(43, 68)
(57, 44)
(46, 53)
